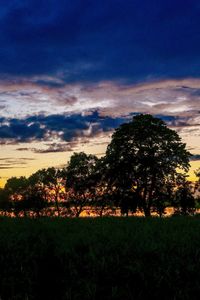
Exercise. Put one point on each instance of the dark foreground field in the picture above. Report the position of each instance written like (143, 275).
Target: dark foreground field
(109, 258)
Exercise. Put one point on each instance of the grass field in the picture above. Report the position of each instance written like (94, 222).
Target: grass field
(100, 258)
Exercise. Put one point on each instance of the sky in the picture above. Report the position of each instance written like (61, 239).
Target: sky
(72, 71)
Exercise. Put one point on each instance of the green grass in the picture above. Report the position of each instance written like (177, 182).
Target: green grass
(108, 258)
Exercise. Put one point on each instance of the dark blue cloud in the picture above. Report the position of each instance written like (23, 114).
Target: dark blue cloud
(20, 130)
(68, 127)
(131, 40)
(195, 157)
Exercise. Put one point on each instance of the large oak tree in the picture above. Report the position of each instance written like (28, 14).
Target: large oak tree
(143, 156)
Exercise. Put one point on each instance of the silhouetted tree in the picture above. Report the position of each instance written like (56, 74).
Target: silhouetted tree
(197, 183)
(5, 204)
(34, 200)
(163, 195)
(80, 181)
(142, 153)
(160, 201)
(184, 201)
(128, 201)
(104, 197)
(49, 185)
(16, 189)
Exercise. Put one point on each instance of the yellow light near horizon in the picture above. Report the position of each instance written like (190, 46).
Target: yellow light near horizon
(195, 165)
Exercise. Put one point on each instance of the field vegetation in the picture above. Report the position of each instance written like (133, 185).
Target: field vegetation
(100, 258)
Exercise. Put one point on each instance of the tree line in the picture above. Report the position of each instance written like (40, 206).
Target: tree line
(144, 169)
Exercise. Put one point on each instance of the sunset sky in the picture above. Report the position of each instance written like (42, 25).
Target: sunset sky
(72, 71)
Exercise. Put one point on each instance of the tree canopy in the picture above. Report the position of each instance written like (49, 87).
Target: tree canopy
(144, 155)
(79, 175)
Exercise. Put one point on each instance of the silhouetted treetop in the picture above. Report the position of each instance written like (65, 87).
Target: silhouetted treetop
(145, 153)
(80, 170)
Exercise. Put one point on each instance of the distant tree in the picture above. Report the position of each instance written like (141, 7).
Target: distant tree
(197, 203)
(128, 201)
(49, 185)
(104, 199)
(184, 201)
(80, 181)
(160, 201)
(16, 185)
(34, 200)
(142, 153)
(197, 183)
(163, 195)
(5, 205)
(16, 188)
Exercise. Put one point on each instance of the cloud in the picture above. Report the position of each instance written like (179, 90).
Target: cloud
(170, 97)
(55, 148)
(20, 130)
(22, 149)
(14, 163)
(2, 167)
(84, 41)
(61, 127)
(77, 112)
(60, 133)
(195, 157)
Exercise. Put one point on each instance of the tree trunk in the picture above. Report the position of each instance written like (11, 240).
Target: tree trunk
(78, 213)
(57, 205)
(147, 211)
(101, 212)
